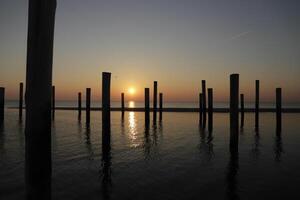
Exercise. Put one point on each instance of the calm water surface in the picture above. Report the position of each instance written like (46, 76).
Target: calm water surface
(170, 160)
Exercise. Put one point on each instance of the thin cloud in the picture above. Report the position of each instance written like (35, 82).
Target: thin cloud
(243, 34)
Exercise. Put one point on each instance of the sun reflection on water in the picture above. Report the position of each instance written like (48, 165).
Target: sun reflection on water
(133, 134)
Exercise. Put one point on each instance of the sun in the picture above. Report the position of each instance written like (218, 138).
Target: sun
(131, 90)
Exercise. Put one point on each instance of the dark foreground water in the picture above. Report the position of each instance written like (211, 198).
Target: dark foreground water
(171, 160)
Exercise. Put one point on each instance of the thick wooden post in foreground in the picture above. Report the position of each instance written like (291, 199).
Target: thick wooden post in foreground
(79, 106)
(204, 103)
(2, 95)
(256, 104)
(21, 101)
(242, 111)
(200, 109)
(53, 102)
(278, 109)
(41, 17)
(88, 106)
(147, 106)
(160, 105)
(106, 77)
(210, 109)
(234, 112)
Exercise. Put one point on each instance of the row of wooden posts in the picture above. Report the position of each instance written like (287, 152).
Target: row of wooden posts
(204, 110)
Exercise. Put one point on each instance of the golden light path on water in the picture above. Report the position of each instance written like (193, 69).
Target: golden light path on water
(132, 125)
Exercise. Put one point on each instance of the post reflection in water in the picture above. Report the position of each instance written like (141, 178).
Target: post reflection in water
(88, 142)
(231, 177)
(106, 163)
(206, 143)
(256, 146)
(278, 147)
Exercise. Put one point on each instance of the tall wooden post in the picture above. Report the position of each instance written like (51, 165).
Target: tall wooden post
(106, 77)
(79, 106)
(210, 109)
(88, 106)
(242, 111)
(256, 104)
(53, 102)
(147, 106)
(234, 112)
(200, 109)
(21, 101)
(2, 95)
(204, 103)
(278, 109)
(122, 102)
(41, 17)
(160, 105)
(154, 101)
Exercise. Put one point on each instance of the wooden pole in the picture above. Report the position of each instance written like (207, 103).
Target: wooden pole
(122, 102)
(278, 109)
(210, 109)
(53, 102)
(204, 103)
(147, 106)
(41, 18)
(155, 96)
(256, 104)
(234, 112)
(242, 111)
(160, 105)
(21, 101)
(2, 95)
(88, 106)
(106, 77)
(79, 106)
(200, 109)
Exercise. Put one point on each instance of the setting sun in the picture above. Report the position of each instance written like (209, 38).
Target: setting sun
(131, 90)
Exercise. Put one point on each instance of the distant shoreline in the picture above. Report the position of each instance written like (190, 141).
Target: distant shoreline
(217, 110)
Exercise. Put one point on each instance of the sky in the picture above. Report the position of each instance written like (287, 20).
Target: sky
(176, 42)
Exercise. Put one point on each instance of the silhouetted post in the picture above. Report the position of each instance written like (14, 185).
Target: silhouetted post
(41, 17)
(122, 102)
(53, 102)
(21, 101)
(234, 112)
(278, 109)
(154, 101)
(200, 109)
(204, 103)
(256, 104)
(2, 95)
(210, 109)
(106, 76)
(147, 106)
(88, 106)
(242, 110)
(160, 106)
(79, 106)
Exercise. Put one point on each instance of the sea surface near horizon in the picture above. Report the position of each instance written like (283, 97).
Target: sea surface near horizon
(173, 159)
(140, 104)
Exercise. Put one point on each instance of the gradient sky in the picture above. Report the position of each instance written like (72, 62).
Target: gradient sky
(176, 42)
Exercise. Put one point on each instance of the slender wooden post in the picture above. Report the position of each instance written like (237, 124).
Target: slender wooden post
(88, 106)
(160, 105)
(2, 95)
(204, 103)
(234, 112)
(53, 102)
(122, 102)
(21, 101)
(210, 109)
(41, 18)
(79, 106)
(200, 109)
(278, 109)
(256, 104)
(242, 111)
(106, 77)
(147, 106)
(155, 96)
